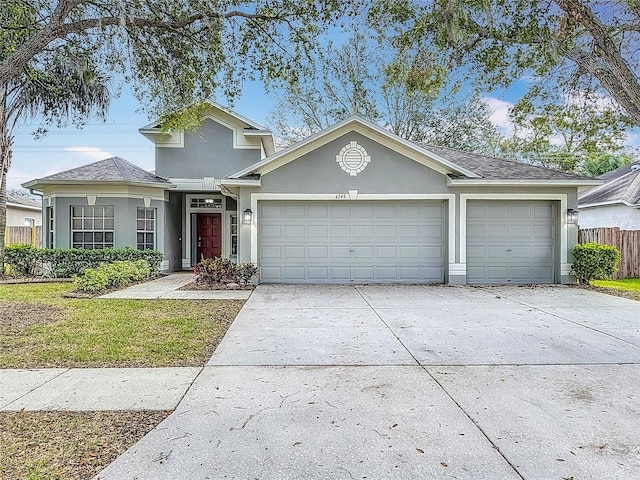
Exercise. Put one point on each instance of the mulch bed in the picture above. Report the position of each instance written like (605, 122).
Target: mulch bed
(9, 280)
(217, 286)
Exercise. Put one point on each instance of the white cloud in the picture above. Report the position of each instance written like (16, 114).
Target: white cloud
(92, 153)
(15, 178)
(596, 100)
(633, 138)
(499, 113)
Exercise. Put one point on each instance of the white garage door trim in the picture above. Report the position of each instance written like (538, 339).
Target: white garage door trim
(565, 267)
(511, 241)
(353, 195)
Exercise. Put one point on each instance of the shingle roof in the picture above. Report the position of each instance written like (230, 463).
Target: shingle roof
(621, 186)
(114, 169)
(493, 168)
(22, 200)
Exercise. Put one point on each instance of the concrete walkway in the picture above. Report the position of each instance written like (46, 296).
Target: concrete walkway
(167, 287)
(88, 389)
(324, 382)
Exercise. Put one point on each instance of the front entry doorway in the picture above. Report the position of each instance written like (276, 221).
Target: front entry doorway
(209, 240)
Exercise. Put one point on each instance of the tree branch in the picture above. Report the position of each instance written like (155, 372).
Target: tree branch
(613, 72)
(57, 30)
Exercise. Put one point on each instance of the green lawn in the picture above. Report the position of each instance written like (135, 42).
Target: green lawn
(628, 284)
(41, 328)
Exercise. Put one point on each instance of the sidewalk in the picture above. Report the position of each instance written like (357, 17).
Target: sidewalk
(88, 389)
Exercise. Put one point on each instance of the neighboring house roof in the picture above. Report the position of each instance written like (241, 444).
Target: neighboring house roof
(20, 201)
(620, 186)
(462, 168)
(111, 170)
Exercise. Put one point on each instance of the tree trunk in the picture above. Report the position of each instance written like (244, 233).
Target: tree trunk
(6, 141)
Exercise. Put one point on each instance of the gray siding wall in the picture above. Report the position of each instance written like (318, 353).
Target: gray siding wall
(124, 216)
(208, 152)
(388, 172)
(618, 215)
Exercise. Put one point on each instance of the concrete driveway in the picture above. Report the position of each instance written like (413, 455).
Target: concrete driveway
(382, 382)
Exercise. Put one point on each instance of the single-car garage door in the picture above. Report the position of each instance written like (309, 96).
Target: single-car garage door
(511, 241)
(345, 241)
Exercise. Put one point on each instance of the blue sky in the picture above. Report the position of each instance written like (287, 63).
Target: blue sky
(67, 148)
(119, 136)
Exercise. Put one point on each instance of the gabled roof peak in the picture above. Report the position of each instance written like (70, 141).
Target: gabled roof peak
(155, 125)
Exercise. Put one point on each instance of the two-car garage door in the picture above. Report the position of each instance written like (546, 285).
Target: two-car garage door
(345, 241)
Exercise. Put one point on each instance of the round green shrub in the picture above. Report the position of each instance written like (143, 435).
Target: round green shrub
(594, 261)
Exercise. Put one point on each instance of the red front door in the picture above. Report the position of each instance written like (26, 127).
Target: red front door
(209, 235)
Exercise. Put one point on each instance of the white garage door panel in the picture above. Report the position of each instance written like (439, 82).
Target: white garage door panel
(338, 242)
(511, 242)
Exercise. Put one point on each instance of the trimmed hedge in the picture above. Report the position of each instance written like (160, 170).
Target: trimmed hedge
(67, 262)
(594, 261)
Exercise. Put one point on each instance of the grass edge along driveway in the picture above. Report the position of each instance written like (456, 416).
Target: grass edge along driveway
(623, 287)
(40, 328)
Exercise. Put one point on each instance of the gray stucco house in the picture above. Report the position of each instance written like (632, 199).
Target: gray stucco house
(351, 204)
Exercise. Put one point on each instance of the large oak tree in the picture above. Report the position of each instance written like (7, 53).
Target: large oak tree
(559, 51)
(62, 61)
(570, 44)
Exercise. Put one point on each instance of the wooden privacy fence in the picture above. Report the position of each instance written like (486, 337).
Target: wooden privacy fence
(626, 241)
(23, 235)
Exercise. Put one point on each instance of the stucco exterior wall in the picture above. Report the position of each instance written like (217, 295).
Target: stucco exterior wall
(16, 216)
(387, 172)
(618, 215)
(209, 152)
(124, 220)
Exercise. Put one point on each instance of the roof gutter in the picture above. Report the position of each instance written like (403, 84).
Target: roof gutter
(240, 182)
(24, 207)
(608, 203)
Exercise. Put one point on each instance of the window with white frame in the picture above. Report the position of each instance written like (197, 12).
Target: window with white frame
(234, 235)
(205, 202)
(92, 226)
(29, 222)
(146, 228)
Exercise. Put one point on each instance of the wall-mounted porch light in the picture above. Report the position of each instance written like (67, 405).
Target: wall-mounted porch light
(247, 216)
(572, 216)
